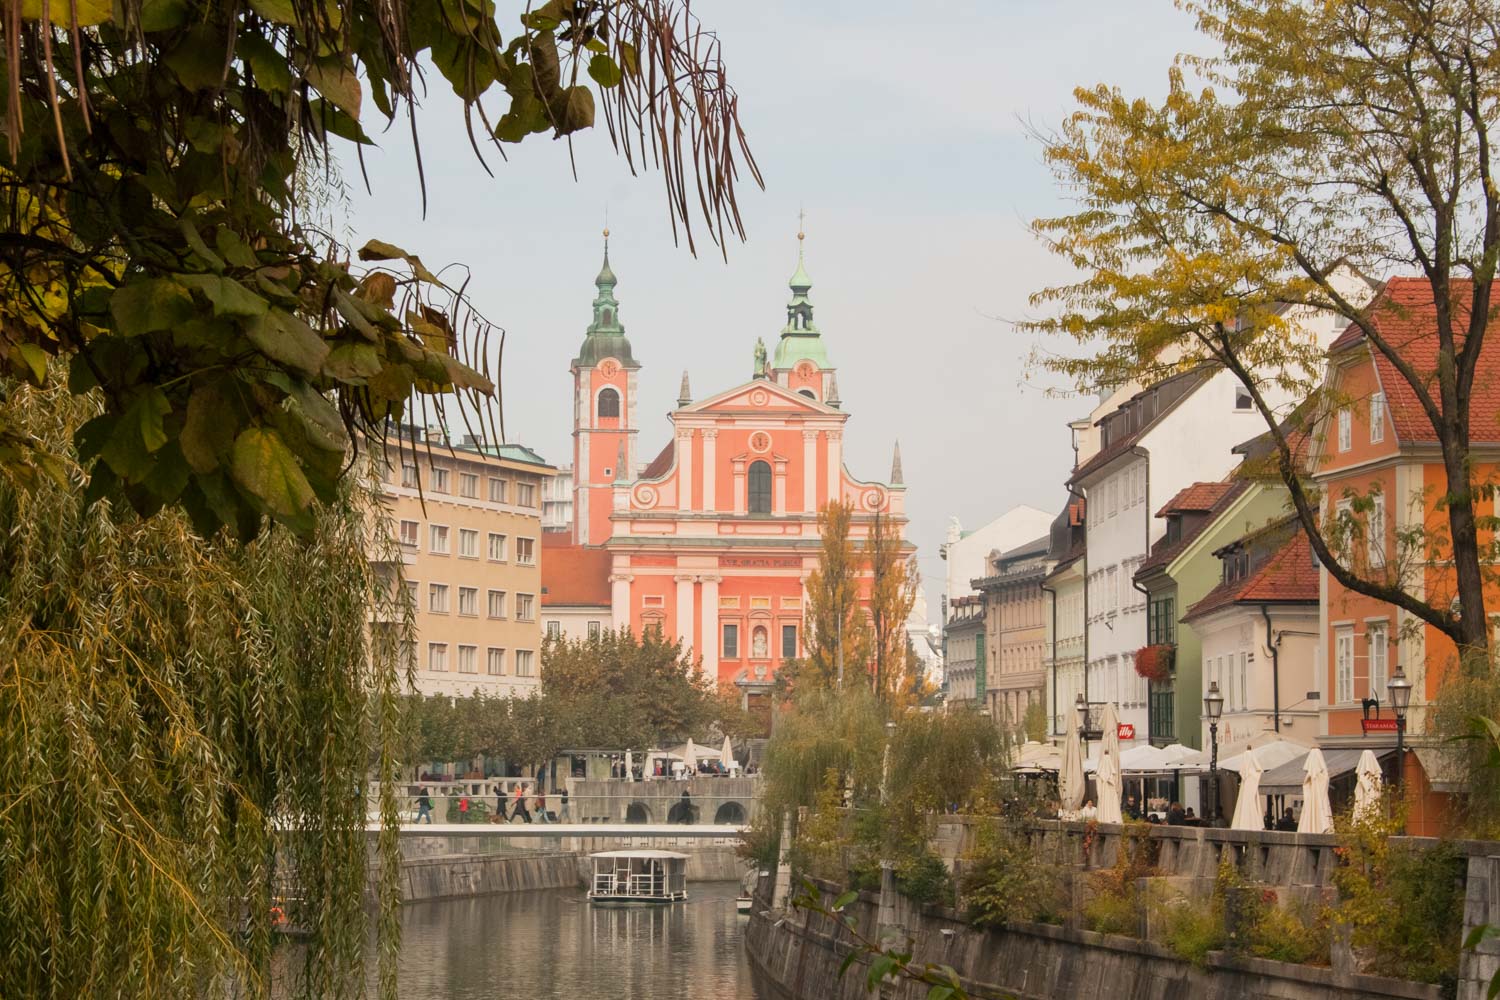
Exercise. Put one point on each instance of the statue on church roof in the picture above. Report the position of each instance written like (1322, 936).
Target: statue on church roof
(760, 358)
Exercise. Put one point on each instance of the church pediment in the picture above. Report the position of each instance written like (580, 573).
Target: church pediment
(761, 395)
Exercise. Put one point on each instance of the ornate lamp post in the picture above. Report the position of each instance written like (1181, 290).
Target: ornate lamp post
(1213, 707)
(1400, 691)
(1081, 707)
(885, 763)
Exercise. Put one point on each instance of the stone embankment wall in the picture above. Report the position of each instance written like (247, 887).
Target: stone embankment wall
(461, 876)
(799, 957)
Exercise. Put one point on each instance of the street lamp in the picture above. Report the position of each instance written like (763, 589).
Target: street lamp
(1213, 707)
(885, 763)
(1400, 691)
(1081, 707)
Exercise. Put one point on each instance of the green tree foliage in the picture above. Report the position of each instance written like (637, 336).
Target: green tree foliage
(152, 250)
(185, 727)
(1209, 223)
(825, 731)
(893, 592)
(838, 630)
(1464, 705)
(610, 691)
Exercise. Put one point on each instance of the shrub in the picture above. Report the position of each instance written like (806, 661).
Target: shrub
(1005, 880)
(1193, 929)
(760, 844)
(923, 878)
(1109, 913)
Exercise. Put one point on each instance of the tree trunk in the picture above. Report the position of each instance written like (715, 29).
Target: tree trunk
(1473, 623)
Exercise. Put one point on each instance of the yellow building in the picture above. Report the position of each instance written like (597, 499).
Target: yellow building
(468, 523)
(1015, 630)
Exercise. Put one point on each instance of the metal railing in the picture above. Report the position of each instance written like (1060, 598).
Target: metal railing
(486, 802)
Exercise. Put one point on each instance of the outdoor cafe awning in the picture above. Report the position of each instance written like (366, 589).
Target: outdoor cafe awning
(1287, 778)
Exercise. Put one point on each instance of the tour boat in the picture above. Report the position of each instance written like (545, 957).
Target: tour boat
(638, 878)
(742, 904)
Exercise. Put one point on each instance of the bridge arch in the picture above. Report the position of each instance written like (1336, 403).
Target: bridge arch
(730, 814)
(638, 812)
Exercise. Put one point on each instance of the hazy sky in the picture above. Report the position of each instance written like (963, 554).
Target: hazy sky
(899, 128)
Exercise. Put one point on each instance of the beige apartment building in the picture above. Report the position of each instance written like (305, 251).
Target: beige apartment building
(1015, 629)
(468, 522)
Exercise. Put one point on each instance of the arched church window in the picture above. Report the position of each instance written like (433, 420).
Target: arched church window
(760, 488)
(609, 403)
(808, 393)
(609, 317)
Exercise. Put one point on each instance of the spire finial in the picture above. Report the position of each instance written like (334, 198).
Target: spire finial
(685, 394)
(897, 479)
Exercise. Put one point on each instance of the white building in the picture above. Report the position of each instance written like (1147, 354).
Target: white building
(1063, 655)
(557, 501)
(967, 553)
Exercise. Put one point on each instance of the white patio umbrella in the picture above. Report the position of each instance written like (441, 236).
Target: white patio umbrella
(1247, 813)
(629, 767)
(1070, 778)
(1317, 811)
(1108, 777)
(726, 754)
(1367, 785)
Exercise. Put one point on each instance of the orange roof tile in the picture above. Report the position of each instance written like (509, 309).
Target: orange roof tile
(574, 575)
(1406, 316)
(1289, 577)
(1196, 497)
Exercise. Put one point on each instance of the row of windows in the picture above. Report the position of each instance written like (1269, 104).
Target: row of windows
(440, 481)
(1117, 493)
(1111, 590)
(468, 543)
(467, 660)
(1377, 423)
(1232, 673)
(468, 601)
(1113, 678)
(554, 629)
(760, 642)
(1377, 654)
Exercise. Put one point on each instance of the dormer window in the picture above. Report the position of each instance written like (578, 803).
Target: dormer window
(1174, 527)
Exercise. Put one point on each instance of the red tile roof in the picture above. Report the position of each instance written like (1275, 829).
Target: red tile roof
(574, 575)
(1289, 577)
(661, 463)
(1406, 316)
(1164, 551)
(1197, 497)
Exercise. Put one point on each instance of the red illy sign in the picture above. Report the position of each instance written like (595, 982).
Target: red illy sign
(1125, 730)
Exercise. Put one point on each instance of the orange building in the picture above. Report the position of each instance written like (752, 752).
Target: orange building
(1377, 460)
(714, 540)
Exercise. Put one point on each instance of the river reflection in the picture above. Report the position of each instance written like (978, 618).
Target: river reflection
(554, 944)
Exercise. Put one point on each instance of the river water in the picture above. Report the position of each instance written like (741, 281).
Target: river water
(552, 943)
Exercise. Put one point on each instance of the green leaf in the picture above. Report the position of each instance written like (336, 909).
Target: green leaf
(33, 360)
(278, 11)
(163, 15)
(136, 434)
(940, 993)
(198, 58)
(195, 241)
(234, 249)
(229, 297)
(265, 468)
(352, 363)
(338, 83)
(267, 63)
(208, 428)
(848, 961)
(845, 900)
(321, 420)
(577, 110)
(605, 71)
(380, 250)
(285, 338)
(150, 304)
(630, 61)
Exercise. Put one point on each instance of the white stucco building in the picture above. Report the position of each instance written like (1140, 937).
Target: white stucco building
(967, 553)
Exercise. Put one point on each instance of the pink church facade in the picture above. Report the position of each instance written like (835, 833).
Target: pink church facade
(714, 540)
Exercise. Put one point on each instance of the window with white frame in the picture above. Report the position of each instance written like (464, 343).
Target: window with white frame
(1346, 429)
(554, 629)
(594, 629)
(439, 479)
(1244, 681)
(497, 490)
(495, 662)
(1343, 664)
(525, 660)
(411, 594)
(468, 485)
(409, 477)
(437, 598)
(524, 607)
(497, 547)
(468, 543)
(497, 604)
(1377, 635)
(1375, 527)
(526, 551)
(526, 494)
(437, 656)
(468, 659)
(409, 533)
(468, 600)
(1242, 400)
(1344, 514)
(408, 655)
(437, 539)
(1377, 417)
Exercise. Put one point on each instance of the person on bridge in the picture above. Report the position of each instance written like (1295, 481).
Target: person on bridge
(520, 809)
(424, 806)
(563, 816)
(685, 808)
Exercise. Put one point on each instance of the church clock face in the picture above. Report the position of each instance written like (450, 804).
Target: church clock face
(609, 368)
(805, 369)
(760, 441)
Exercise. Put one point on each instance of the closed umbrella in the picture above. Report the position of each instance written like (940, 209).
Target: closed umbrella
(1317, 811)
(1247, 814)
(1108, 776)
(726, 754)
(629, 767)
(1070, 778)
(1367, 786)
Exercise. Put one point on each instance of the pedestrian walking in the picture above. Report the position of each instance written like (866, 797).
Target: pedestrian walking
(424, 806)
(463, 809)
(541, 809)
(563, 815)
(521, 805)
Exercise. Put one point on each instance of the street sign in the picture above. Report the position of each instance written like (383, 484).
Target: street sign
(1125, 730)
(1378, 725)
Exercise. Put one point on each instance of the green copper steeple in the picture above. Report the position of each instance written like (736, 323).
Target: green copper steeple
(800, 339)
(606, 334)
